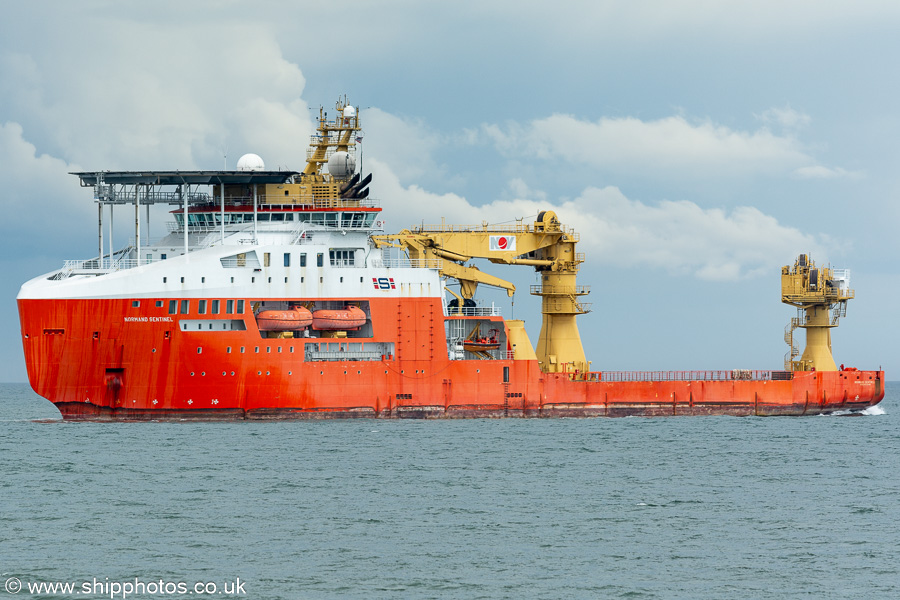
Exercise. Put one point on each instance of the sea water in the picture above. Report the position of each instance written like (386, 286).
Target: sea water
(680, 507)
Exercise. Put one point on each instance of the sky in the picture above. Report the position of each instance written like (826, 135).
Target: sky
(696, 146)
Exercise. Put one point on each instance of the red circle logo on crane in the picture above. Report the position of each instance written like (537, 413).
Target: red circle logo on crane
(502, 243)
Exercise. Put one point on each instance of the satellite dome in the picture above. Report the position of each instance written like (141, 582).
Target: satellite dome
(250, 162)
(341, 165)
(349, 112)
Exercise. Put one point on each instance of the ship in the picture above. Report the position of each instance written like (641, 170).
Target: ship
(277, 294)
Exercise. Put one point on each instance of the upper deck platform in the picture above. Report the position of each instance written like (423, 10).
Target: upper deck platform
(164, 178)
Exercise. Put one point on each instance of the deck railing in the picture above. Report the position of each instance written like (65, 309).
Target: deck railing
(473, 311)
(406, 263)
(732, 375)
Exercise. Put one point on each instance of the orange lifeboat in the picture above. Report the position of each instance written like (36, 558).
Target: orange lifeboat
(295, 318)
(343, 319)
(482, 343)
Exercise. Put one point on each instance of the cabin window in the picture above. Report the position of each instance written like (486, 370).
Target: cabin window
(185, 305)
(173, 307)
(320, 259)
(162, 256)
(278, 216)
(341, 257)
(201, 307)
(287, 259)
(229, 307)
(303, 259)
(240, 307)
(215, 307)
(135, 303)
(159, 304)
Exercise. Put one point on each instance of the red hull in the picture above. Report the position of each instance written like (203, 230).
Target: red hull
(106, 359)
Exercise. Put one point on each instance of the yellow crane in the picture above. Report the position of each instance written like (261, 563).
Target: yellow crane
(546, 245)
(820, 295)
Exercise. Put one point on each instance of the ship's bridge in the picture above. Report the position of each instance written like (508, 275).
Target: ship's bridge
(226, 201)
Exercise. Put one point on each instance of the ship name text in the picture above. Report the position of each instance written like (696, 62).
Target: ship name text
(148, 319)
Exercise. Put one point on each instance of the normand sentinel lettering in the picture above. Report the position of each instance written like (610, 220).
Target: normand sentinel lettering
(148, 319)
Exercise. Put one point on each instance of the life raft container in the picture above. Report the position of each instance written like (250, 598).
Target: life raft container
(295, 318)
(342, 319)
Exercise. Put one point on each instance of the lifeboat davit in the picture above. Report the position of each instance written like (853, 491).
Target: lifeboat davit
(342, 319)
(292, 319)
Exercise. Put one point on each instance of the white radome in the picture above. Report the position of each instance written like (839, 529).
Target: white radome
(341, 165)
(250, 162)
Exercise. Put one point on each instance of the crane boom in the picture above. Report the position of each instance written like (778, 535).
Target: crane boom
(546, 246)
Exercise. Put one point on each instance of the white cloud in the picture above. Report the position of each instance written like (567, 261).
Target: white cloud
(672, 146)
(35, 185)
(822, 172)
(677, 237)
(174, 106)
(785, 117)
(407, 145)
